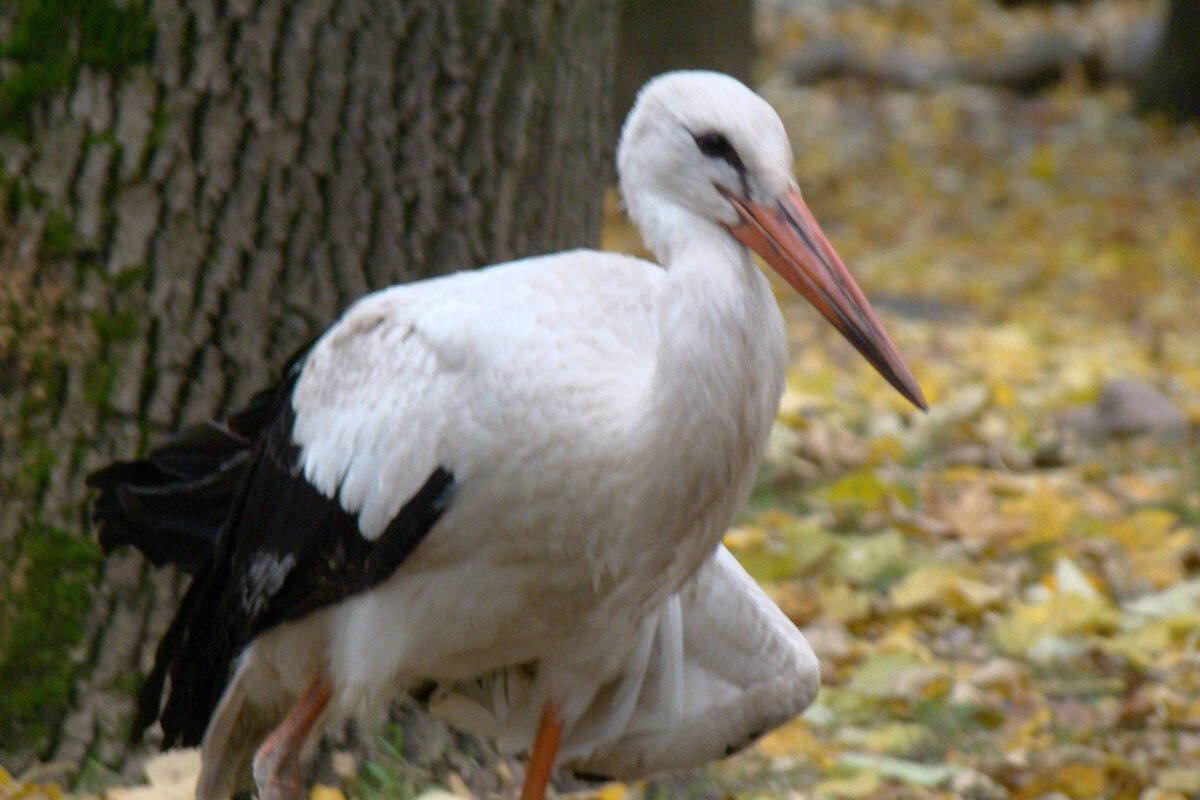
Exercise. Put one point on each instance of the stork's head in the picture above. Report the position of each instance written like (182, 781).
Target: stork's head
(700, 149)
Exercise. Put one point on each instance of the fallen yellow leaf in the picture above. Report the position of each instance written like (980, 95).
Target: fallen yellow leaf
(320, 791)
(864, 784)
(1082, 781)
(1027, 624)
(796, 739)
(1043, 514)
(940, 587)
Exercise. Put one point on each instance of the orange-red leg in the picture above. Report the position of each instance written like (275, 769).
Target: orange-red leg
(545, 750)
(277, 761)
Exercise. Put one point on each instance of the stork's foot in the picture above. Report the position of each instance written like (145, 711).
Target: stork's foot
(277, 761)
(277, 779)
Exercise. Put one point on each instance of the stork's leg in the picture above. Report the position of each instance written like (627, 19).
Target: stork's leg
(545, 750)
(277, 761)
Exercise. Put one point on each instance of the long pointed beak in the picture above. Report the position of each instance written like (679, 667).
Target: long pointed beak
(790, 240)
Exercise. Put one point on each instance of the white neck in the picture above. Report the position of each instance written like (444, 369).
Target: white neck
(719, 325)
(721, 348)
(714, 324)
(718, 378)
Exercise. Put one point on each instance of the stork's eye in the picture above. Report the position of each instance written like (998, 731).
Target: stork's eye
(715, 145)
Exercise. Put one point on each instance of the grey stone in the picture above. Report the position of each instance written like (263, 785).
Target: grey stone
(1127, 407)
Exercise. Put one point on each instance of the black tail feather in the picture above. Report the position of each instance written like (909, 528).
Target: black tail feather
(171, 504)
(150, 696)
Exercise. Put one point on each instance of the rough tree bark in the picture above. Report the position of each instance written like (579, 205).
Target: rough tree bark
(197, 216)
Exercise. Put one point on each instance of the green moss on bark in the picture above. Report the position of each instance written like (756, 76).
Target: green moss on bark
(42, 611)
(51, 40)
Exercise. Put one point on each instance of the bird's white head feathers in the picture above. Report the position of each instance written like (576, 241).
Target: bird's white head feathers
(689, 133)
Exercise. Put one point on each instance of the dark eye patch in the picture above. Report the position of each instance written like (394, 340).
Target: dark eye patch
(715, 145)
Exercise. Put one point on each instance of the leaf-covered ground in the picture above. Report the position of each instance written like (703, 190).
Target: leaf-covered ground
(1005, 592)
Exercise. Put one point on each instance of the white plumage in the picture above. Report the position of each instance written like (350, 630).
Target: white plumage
(715, 666)
(601, 420)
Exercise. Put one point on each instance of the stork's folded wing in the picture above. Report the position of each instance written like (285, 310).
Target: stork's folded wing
(718, 665)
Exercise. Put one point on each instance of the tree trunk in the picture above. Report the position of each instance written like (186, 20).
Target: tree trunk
(659, 35)
(1170, 81)
(192, 214)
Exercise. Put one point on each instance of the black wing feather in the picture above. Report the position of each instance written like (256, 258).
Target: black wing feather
(230, 503)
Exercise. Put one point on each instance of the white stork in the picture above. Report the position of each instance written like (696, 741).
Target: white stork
(512, 482)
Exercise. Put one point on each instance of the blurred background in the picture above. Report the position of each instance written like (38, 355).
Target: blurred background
(1004, 593)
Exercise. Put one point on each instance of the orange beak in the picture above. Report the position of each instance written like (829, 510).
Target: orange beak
(790, 240)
